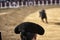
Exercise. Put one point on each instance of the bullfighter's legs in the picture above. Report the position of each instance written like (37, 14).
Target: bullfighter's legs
(46, 20)
(42, 19)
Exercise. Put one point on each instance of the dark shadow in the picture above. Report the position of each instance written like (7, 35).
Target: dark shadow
(55, 23)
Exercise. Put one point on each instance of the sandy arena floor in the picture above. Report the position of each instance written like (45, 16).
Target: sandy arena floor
(10, 18)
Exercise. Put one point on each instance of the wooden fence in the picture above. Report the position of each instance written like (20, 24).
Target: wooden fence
(8, 4)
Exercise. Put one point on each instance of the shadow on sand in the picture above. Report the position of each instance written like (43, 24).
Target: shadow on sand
(55, 23)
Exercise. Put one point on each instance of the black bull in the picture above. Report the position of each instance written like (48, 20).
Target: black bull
(29, 29)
